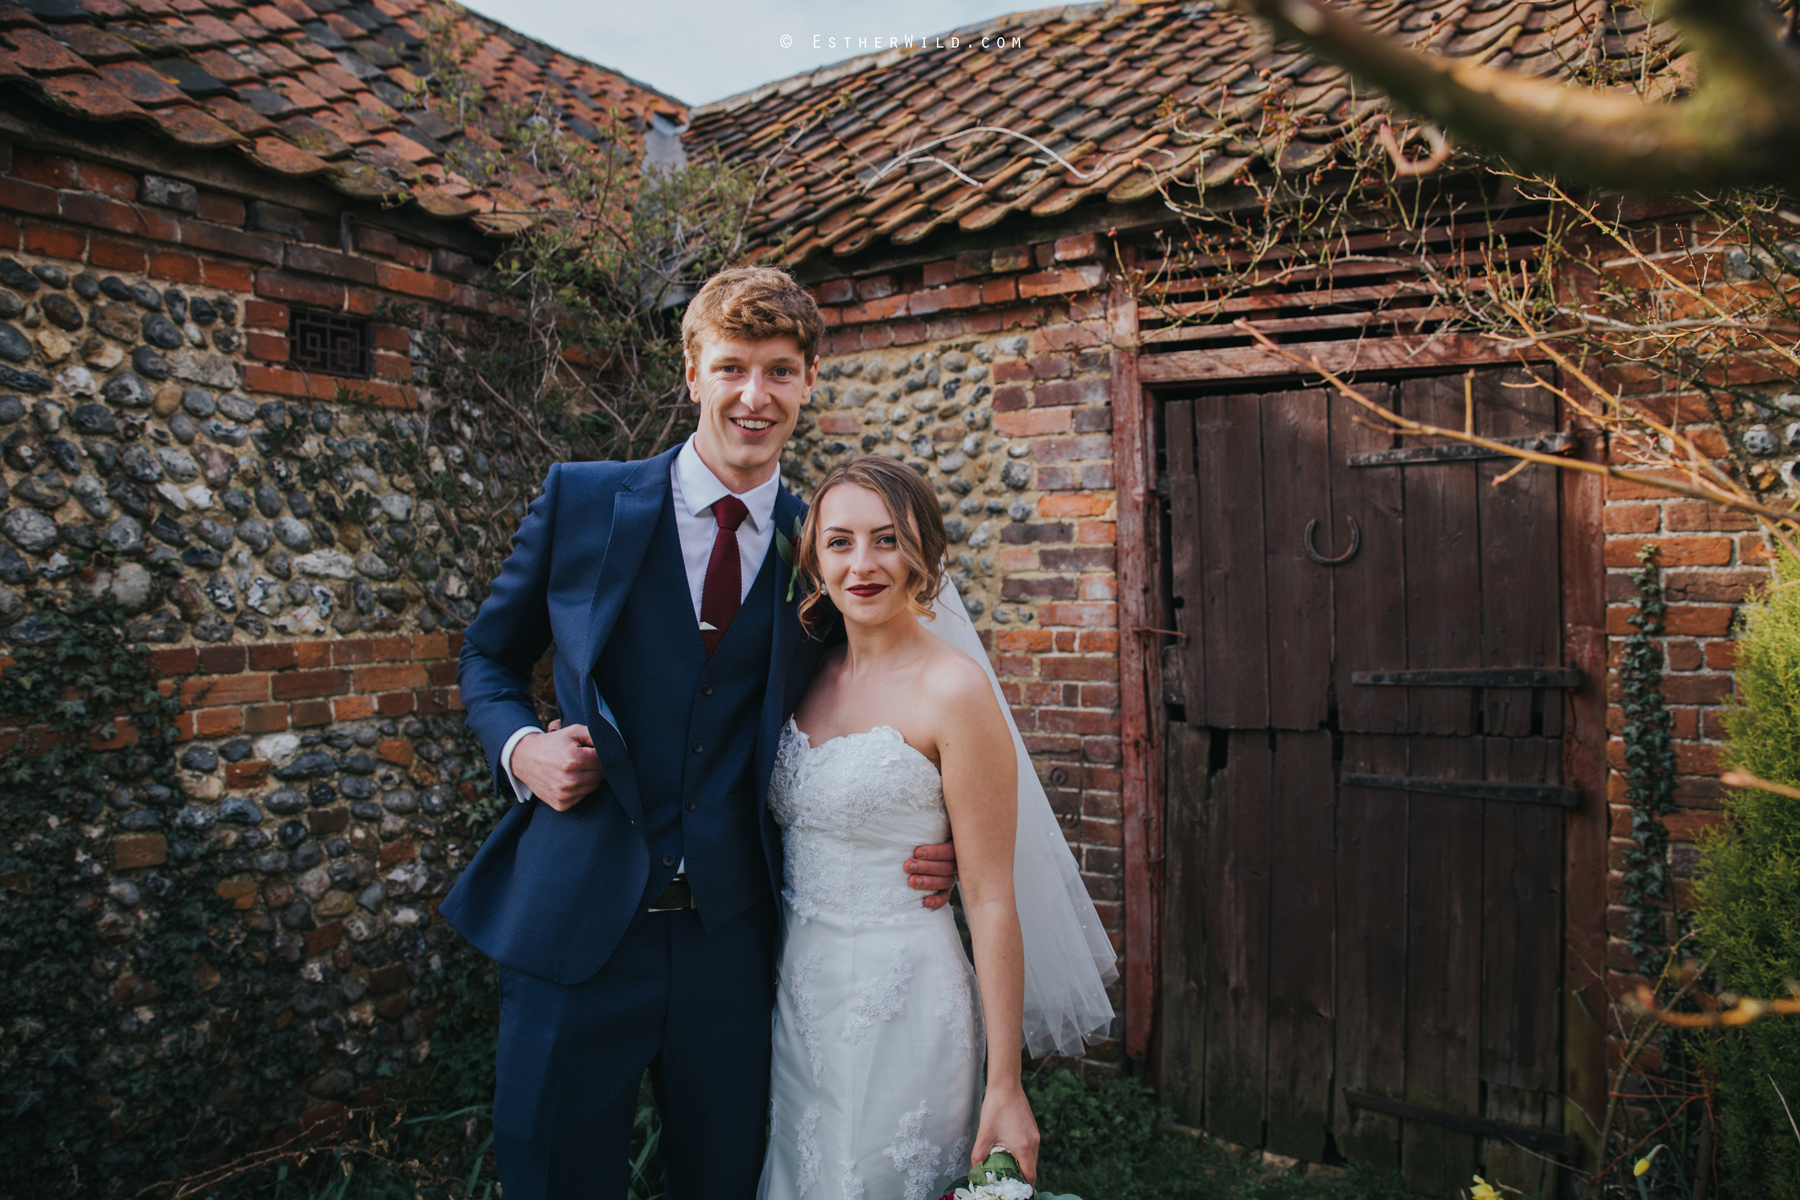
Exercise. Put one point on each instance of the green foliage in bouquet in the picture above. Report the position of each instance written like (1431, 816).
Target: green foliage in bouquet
(995, 1167)
(1749, 898)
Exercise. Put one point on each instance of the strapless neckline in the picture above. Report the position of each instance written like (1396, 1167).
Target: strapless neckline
(806, 740)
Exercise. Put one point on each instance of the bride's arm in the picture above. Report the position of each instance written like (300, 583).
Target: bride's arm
(981, 792)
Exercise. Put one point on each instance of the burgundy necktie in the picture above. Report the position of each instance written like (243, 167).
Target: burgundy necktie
(723, 590)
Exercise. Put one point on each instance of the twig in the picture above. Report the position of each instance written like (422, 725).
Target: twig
(1742, 1013)
(1784, 1108)
(1410, 428)
(1440, 150)
(917, 151)
(1743, 779)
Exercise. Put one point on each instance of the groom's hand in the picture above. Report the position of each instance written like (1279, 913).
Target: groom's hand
(560, 767)
(931, 869)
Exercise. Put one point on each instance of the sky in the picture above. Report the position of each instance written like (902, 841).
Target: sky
(703, 50)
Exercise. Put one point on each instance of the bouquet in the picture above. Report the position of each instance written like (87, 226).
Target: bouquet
(998, 1178)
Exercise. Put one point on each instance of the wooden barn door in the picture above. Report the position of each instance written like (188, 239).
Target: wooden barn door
(1363, 874)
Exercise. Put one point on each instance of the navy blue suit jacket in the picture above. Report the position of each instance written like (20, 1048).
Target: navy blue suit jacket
(551, 893)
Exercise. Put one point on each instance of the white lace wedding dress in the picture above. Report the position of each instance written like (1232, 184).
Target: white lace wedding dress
(876, 1085)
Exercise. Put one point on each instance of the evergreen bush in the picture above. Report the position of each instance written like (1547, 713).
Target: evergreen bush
(1080, 1123)
(1749, 899)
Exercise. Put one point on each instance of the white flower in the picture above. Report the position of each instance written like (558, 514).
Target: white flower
(1003, 1189)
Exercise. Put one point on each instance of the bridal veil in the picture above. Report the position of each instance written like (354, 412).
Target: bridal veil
(1068, 958)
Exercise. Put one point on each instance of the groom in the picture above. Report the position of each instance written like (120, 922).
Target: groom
(630, 897)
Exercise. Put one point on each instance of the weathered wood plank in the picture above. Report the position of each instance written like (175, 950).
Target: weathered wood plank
(1392, 316)
(1521, 609)
(1443, 967)
(1237, 943)
(1184, 931)
(1254, 302)
(1302, 913)
(1443, 564)
(1282, 265)
(1235, 624)
(1369, 604)
(1586, 831)
(1371, 929)
(1297, 490)
(1521, 932)
(1184, 552)
(1140, 797)
(1449, 352)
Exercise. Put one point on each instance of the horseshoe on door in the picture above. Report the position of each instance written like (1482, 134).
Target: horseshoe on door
(1346, 556)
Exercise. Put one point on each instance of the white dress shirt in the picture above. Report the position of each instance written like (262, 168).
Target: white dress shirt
(694, 488)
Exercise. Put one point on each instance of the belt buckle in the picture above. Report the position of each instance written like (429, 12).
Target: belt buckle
(677, 897)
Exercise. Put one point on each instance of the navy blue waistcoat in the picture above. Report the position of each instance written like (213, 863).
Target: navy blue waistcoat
(697, 790)
(595, 574)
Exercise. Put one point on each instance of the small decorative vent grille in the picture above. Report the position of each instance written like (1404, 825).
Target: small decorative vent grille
(329, 344)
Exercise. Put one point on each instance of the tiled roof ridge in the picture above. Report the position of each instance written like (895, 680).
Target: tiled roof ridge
(832, 72)
(315, 89)
(1126, 95)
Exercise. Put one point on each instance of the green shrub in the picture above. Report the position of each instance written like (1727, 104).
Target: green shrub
(1080, 1124)
(1109, 1142)
(1749, 899)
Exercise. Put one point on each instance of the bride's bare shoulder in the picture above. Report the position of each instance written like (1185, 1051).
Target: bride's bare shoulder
(956, 684)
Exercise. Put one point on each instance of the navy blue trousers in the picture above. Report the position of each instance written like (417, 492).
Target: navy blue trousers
(693, 1008)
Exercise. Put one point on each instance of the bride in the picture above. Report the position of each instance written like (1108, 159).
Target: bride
(877, 1085)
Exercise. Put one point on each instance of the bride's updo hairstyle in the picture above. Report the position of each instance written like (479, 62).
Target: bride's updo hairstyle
(918, 523)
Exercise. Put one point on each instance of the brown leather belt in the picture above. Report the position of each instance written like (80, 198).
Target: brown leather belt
(676, 897)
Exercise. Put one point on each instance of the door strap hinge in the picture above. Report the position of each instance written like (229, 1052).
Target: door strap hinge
(1471, 789)
(1543, 443)
(1544, 1141)
(1496, 677)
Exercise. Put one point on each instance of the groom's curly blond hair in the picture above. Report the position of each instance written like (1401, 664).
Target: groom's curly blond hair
(918, 524)
(753, 304)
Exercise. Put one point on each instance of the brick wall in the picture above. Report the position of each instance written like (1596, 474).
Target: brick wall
(159, 444)
(1712, 559)
(989, 372)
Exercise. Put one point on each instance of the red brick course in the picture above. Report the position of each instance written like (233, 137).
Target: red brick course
(267, 687)
(90, 214)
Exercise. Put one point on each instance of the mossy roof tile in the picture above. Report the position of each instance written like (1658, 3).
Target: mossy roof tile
(326, 72)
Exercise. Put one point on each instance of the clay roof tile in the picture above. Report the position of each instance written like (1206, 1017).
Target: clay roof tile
(94, 45)
(1092, 82)
(142, 85)
(39, 53)
(288, 83)
(191, 127)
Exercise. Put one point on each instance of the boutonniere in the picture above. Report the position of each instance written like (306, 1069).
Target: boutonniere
(784, 546)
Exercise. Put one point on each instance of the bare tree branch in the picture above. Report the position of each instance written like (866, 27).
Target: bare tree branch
(1781, 520)
(1740, 127)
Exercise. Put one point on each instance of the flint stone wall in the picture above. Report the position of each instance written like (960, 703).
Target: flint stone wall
(270, 535)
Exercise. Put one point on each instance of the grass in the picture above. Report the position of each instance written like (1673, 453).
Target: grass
(1178, 1166)
(1100, 1143)
(1113, 1142)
